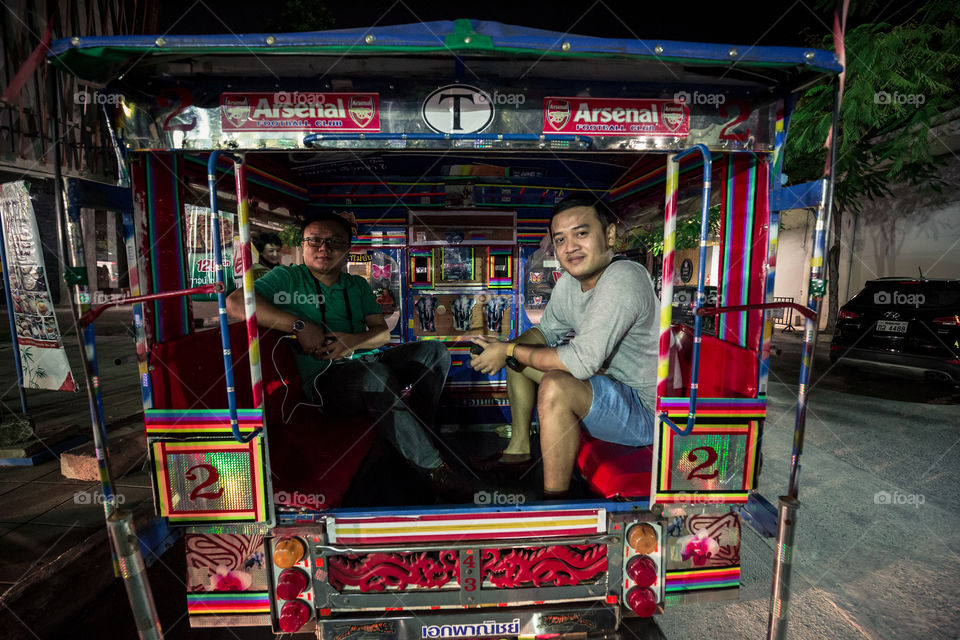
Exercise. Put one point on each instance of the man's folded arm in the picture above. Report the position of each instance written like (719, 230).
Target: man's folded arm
(376, 335)
(268, 315)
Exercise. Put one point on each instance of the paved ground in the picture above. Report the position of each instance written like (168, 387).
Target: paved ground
(41, 513)
(866, 566)
(862, 568)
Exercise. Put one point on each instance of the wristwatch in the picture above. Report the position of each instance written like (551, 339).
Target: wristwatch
(512, 362)
(298, 326)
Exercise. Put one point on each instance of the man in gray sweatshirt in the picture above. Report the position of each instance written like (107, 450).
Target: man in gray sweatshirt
(604, 379)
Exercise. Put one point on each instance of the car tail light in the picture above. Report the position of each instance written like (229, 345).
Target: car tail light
(642, 570)
(642, 601)
(293, 616)
(847, 315)
(643, 538)
(948, 321)
(288, 552)
(291, 584)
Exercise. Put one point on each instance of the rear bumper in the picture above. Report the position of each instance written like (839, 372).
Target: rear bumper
(898, 363)
(586, 618)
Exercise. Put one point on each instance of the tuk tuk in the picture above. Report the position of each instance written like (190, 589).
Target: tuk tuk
(450, 142)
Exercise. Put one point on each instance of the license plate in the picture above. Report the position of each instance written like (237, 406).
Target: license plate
(891, 327)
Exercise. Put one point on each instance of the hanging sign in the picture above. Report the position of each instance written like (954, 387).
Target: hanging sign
(42, 356)
(615, 117)
(300, 111)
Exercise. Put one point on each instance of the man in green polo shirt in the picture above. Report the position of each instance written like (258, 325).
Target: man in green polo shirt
(334, 316)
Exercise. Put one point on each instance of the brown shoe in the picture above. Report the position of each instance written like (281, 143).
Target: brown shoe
(450, 485)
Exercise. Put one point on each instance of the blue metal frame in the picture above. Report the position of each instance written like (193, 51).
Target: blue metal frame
(534, 137)
(451, 36)
(701, 283)
(222, 302)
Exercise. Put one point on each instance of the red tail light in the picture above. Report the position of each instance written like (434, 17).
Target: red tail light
(291, 583)
(642, 570)
(847, 315)
(642, 601)
(293, 616)
(948, 321)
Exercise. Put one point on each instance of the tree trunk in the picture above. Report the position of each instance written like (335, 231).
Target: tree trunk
(833, 269)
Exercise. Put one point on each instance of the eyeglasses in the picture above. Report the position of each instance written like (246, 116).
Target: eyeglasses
(333, 244)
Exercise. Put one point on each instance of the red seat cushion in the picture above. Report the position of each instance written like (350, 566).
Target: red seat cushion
(726, 370)
(614, 470)
(313, 458)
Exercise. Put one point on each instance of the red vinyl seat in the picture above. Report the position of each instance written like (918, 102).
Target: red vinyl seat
(313, 458)
(726, 371)
(615, 470)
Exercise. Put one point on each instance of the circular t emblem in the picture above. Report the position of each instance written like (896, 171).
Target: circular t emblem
(458, 108)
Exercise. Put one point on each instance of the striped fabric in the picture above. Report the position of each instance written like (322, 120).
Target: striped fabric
(468, 525)
(689, 580)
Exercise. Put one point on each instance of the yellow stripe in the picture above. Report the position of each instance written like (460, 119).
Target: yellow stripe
(258, 487)
(161, 485)
(219, 515)
(523, 524)
(662, 370)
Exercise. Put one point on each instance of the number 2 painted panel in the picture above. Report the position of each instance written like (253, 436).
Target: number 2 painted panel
(714, 458)
(210, 480)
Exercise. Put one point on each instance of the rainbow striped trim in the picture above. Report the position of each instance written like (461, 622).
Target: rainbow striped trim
(695, 579)
(160, 450)
(260, 177)
(692, 497)
(193, 422)
(668, 495)
(220, 603)
(466, 526)
(754, 408)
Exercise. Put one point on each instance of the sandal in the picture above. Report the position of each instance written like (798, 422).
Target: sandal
(501, 460)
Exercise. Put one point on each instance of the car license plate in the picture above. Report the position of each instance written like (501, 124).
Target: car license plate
(891, 327)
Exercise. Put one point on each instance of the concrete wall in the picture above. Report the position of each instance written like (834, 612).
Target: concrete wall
(898, 235)
(890, 237)
(793, 254)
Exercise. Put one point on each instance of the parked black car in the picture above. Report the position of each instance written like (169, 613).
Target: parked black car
(902, 325)
(684, 298)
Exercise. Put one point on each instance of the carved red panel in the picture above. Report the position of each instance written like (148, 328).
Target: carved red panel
(378, 571)
(555, 566)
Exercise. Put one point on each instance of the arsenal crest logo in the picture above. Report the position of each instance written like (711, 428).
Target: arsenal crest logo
(236, 110)
(361, 109)
(558, 113)
(673, 114)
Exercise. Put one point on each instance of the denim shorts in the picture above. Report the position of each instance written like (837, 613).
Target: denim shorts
(617, 414)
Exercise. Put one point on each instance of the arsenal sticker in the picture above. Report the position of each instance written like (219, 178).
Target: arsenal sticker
(296, 111)
(615, 117)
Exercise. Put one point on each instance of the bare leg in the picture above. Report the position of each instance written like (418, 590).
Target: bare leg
(562, 401)
(522, 391)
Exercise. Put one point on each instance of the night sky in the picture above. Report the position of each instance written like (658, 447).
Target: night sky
(773, 22)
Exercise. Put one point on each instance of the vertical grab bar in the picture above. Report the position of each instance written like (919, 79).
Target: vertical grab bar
(222, 301)
(701, 278)
(249, 302)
